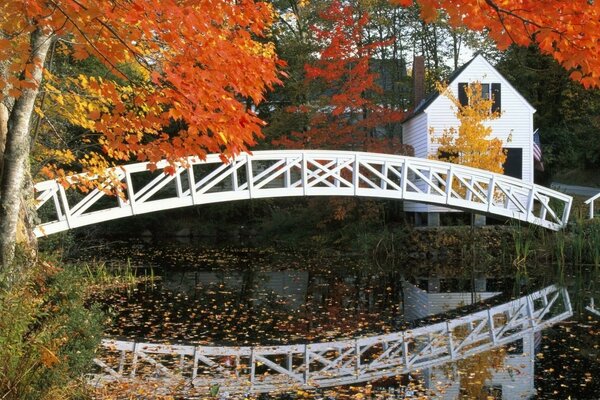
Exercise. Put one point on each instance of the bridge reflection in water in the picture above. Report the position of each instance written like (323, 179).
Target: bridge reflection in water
(194, 369)
(506, 375)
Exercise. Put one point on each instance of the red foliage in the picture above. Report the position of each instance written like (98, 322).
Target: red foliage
(347, 114)
(197, 64)
(569, 31)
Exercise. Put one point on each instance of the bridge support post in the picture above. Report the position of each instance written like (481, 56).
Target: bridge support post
(433, 219)
(479, 220)
(427, 219)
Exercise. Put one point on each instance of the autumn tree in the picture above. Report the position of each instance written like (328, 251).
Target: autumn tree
(567, 116)
(199, 67)
(470, 144)
(566, 30)
(293, 40)
(346, 114)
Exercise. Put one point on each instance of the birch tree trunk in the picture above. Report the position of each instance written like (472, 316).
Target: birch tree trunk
(16, 154)
(5, 107)
(3, 130)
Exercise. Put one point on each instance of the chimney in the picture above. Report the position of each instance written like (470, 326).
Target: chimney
(418, 74)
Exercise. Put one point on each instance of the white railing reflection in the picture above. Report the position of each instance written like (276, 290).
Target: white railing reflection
(193, 369)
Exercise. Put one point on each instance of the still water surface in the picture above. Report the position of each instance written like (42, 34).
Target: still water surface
(255, 296)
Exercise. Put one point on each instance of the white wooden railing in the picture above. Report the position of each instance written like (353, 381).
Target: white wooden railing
(590, 203)
(300, 173)
(193, 369)
(592, 307)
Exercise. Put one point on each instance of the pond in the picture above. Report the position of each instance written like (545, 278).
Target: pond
(251, 296)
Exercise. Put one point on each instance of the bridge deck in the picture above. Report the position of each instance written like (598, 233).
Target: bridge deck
(192, 370)
(300, 173)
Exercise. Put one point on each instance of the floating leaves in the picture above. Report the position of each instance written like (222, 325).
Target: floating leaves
(251, 296)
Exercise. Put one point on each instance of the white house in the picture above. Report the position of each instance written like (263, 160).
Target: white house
(513, 380)
(514, 127)
(419, 303)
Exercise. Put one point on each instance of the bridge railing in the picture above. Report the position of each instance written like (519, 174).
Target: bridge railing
(300, 173)
(592, 307)
(590, 202)
(276, 368)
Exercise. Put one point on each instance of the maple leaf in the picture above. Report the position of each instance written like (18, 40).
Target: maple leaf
(190, 67)
(348, 113)
(566, 30)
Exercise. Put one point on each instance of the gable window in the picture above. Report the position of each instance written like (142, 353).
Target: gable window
(513, 166)
(488, 91)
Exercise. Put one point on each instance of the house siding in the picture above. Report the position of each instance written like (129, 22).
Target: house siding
(419, 303)
(412, 133)
(516, 122)
(516, 376)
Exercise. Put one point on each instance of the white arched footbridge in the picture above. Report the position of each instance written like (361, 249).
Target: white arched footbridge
(302, 173)
(192, 370)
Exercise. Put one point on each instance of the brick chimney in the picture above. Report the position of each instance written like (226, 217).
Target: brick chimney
(418, 74)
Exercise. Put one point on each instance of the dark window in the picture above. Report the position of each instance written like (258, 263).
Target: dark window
(515, 348)
(487, 91)
(496, 95)
(513, 166)
(462, 94)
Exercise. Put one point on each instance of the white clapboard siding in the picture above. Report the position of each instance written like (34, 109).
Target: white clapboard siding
(515, 123)
(412, 133)
(515, 377)
(418, 303)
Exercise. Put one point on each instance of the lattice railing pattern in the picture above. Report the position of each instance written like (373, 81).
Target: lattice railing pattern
(273, 368)
(590, 202)
(592, 307)
(302, 173)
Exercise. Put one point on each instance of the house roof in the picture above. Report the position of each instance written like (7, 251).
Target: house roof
(426, 102)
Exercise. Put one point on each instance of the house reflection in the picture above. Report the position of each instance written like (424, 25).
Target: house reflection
(332, 301)
(499, 374)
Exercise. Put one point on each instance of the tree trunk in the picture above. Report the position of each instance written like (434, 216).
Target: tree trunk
(17, 151)
(5, 107)
(3, 130)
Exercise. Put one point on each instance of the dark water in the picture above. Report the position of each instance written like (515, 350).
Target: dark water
(248, 296)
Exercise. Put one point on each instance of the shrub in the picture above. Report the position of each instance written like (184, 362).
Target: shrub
(47, 335)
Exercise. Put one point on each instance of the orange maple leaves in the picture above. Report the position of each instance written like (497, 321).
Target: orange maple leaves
(569, 31)
(347, 114)
(193, 68)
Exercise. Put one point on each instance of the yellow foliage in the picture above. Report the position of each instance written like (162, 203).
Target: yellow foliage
(470, 144)
(47, 357)
(476, 371)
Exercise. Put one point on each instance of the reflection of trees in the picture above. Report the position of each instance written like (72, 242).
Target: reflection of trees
(339, 305)
(232, 301)
(477, 370)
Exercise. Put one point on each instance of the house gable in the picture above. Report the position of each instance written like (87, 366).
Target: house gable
(479, 69)
(459, 76)
(437, 113)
